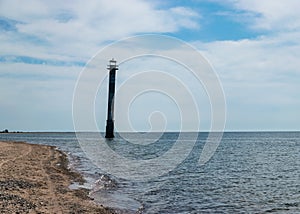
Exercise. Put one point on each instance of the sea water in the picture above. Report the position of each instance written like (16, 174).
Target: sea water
(251, 172)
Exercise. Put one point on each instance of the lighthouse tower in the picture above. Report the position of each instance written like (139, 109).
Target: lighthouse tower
(112, 67)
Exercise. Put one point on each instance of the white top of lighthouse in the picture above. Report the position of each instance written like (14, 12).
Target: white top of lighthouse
(112, 64)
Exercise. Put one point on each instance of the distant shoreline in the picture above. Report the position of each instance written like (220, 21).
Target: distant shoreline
(102, 132)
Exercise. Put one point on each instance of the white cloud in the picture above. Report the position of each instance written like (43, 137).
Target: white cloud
(271, 15)
(260, 78)
(79, 28)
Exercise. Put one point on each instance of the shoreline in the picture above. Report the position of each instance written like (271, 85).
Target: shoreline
(36, 179)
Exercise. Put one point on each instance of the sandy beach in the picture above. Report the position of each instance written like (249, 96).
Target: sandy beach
(35, 179)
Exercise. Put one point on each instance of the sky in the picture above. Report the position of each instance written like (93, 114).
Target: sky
(252, 45)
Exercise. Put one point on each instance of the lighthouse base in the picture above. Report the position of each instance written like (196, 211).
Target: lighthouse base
(109, 129)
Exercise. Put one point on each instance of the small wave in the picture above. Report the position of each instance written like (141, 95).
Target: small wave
(104, 183)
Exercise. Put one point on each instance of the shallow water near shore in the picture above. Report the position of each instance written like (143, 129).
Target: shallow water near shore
(250, 172)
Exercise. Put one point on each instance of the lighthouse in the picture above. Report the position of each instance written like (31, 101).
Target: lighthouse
(112, 67)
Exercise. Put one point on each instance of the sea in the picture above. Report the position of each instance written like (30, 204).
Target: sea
(250, 172)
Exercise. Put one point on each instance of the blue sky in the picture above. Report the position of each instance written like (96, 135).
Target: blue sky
(253, 45)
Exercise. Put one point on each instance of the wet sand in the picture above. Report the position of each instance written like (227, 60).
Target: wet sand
(36, 179)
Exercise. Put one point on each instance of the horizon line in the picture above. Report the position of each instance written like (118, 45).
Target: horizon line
(167, 131)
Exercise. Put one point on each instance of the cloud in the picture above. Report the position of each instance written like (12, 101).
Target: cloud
(269, 14)
(269, 58)
(260, 78)
(80, 28)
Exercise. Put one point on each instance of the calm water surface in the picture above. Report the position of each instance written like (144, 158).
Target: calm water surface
(251, 172)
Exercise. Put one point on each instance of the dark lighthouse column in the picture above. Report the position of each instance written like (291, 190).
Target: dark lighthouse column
(112, 67)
